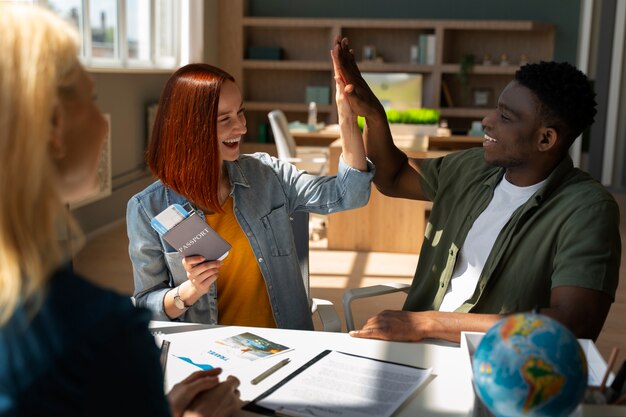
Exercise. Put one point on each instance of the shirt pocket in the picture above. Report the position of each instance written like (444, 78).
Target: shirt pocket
(278, 231)
(174, 261)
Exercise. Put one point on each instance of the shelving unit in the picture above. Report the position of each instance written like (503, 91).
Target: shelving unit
(306, 42)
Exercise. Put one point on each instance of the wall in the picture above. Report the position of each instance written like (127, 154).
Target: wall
(211, 23)
(125, 96)
(563, 13)
(620, 154)
(606, 145)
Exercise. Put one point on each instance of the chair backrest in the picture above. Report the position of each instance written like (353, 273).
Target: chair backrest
(285, 143)
(300, 227)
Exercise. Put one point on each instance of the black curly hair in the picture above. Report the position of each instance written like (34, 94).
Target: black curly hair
(566, 97)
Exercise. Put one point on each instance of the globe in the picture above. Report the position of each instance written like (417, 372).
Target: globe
(529, 365)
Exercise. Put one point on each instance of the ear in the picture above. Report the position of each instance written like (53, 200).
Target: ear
(56, 143)
(548, 138)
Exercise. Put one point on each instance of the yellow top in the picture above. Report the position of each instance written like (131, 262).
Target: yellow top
(242, 298)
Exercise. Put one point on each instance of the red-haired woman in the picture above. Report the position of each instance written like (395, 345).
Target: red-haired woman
(247, 199)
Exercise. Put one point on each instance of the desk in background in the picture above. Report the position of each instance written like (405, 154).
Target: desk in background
(385, 224)
(322, 137)
(328, 135)
(454, 142)
(388, 224)
(448, 393)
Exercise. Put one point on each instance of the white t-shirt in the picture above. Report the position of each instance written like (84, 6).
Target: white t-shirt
(480, 239)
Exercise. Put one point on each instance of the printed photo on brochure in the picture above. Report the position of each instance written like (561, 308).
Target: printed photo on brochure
(229, 352)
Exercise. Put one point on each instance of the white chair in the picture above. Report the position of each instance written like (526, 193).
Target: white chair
(365, 292)
(325, 308)
(312, 159)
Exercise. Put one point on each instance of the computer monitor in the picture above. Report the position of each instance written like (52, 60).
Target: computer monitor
(396, 90)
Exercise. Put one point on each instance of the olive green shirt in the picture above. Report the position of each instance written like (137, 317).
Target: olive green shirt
(566, 234)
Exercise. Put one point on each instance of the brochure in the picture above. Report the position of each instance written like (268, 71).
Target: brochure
(229, 352)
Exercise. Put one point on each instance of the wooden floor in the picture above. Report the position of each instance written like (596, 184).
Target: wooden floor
(105, 259)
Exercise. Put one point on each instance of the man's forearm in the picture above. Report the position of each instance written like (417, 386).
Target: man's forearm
(380, 149)
(411, 326)
(448, 326)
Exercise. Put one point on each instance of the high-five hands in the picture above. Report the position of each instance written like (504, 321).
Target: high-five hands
(361, 98)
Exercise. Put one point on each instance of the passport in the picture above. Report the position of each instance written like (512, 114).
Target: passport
(193, 236)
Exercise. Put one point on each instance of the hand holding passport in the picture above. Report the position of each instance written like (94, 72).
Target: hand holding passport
(189, 234)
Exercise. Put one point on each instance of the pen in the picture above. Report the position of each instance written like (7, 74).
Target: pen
(609, 368)
(270, 371)
(165, 347)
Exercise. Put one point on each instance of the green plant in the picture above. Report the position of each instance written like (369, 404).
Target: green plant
(423, 116)
(465, 68)
(360, 120)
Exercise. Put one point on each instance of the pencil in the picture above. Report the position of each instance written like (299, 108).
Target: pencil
(165, 348)
(609, 368)
(270, 371)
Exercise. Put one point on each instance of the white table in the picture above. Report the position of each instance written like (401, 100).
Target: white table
(448, 393)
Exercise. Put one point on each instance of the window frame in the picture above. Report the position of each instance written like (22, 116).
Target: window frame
(183, 29)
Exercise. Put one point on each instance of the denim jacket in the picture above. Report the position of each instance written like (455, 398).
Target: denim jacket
(265, 192)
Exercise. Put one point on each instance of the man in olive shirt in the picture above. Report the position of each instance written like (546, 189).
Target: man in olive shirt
(514, 226)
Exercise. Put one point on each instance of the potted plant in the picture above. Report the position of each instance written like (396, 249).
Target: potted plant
(410, 128)
(423, 116)
(466, 65)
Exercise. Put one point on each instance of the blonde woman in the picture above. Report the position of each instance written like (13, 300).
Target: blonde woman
(67, 347)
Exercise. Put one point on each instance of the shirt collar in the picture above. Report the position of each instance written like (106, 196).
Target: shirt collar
(554, 180)
(236, 174)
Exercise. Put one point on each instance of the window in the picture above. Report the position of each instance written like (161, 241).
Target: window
(131, 33)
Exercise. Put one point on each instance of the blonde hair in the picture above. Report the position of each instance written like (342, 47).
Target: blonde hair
(38, 59)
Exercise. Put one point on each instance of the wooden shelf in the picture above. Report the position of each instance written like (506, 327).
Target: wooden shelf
(367, 66)
(305, 45)
(287, 107)
(287, 65)
(277, 22)
(482, 69)
(508, 25)
(469, 112)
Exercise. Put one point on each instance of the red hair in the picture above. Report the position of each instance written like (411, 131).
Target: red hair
(183, 150)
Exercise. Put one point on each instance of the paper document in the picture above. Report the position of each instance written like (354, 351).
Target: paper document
(339, 384)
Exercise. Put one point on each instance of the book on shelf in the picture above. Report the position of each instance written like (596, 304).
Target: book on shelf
(448, 101)
(427, 49)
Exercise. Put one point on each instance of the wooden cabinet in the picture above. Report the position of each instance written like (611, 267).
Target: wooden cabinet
(385, 224)
(305, 44)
